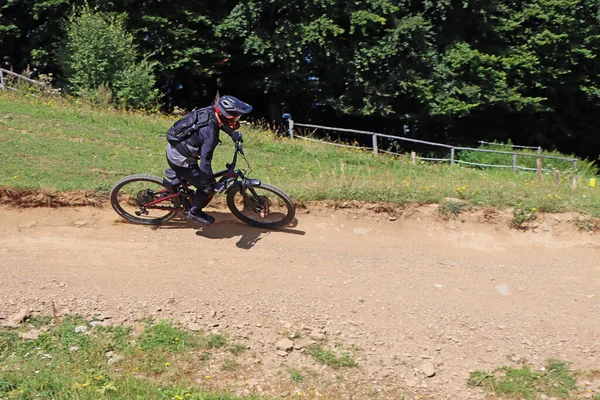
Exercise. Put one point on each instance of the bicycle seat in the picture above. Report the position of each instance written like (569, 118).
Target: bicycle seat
(169, 173)
(172, 178)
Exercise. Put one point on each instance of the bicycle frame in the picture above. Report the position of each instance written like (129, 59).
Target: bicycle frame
(150, 200)
(229, 177)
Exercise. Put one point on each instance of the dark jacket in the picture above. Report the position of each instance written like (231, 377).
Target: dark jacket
(201, 145)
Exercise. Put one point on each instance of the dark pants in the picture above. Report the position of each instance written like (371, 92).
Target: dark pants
(198, 179)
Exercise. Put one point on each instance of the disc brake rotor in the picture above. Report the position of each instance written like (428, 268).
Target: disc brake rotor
(144, 197)
(258, 204)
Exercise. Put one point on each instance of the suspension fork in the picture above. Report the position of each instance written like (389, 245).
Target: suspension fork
(248, 183)
(245, 183)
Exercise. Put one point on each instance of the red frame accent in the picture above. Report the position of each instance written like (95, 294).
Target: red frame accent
(149, 205)
(162, 199)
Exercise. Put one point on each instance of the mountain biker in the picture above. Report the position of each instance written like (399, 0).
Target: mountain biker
(196, 136)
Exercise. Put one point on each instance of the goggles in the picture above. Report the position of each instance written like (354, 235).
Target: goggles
(235, 119)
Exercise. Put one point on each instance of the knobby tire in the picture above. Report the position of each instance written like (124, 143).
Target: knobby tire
(114, 192)
(291, 211)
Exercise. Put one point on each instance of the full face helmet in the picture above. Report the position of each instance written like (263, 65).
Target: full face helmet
(230, 110)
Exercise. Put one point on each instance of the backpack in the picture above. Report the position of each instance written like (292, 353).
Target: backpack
(186, 126)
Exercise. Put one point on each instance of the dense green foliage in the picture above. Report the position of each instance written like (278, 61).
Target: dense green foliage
(453, 70)
(99, 53)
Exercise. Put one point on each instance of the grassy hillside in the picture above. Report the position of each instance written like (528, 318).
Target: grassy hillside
(63, 145)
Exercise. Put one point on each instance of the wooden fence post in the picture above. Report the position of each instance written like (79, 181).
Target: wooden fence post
(539, 169)
(413, 157)
(2, 80)
(291, 128)
(452, 157)
(573, 179)
(556, 176)
(573, 175)
(375, 150)
(515, 162)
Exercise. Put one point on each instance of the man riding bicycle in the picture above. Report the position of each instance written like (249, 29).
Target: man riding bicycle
(196, 136)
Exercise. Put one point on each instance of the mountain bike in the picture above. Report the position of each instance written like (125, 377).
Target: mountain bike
(150, 200)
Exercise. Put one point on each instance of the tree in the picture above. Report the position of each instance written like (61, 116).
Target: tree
(465, 69)
(30, 32)
(552, 49)
(272, 50)
(98, 51)
(179, 37)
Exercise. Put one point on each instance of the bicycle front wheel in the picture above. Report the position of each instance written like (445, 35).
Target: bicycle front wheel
(143, 199)
(261, 205)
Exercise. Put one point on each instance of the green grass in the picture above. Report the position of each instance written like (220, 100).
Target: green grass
(329, 358)
(556, 380)
(58, 144)
(295, 374)
(39, 321)
(229, 364)
(216, 340)
(236, 349)
(165, 336)
(528, 162)
(71, 361)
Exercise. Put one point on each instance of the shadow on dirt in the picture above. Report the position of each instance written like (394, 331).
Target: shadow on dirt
(227, 227)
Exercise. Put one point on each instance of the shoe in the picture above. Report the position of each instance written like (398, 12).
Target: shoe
(201, 218)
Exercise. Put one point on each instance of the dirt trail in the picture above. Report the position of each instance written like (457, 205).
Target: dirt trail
(462, 296)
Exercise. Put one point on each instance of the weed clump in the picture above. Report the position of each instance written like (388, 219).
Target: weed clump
(452, 208)
(522, 216)
(554, 380)
(165, 336)
(327, 357)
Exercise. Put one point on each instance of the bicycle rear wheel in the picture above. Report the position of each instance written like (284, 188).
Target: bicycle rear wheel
(261, 205)
(137, 198)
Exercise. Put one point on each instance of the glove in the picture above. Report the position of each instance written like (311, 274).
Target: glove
(236, 136)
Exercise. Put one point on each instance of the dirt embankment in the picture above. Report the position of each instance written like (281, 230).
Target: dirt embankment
(406, 293)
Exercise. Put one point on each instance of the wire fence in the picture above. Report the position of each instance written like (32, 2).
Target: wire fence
(514, 146)
(452, 159)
